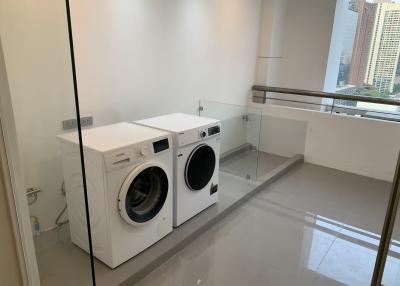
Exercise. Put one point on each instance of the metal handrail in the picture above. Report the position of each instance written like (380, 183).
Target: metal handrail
(387, 230)
(321, 94)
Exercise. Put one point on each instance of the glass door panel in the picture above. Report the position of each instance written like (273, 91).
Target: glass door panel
(39, 125)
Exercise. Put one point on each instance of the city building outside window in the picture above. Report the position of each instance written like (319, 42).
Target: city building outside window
(369, 64)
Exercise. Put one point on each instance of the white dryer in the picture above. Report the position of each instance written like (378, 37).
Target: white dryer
(129, 183)
(196, 161)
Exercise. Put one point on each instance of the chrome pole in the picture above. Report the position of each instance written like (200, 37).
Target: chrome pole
(387, 231)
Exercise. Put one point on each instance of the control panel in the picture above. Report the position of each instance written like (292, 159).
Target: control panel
(129, 155)
(214, 130)
(196, 135)
(161, 145)
(209, 131)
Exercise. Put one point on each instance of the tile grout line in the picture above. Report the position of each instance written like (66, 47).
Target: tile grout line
(330, 247)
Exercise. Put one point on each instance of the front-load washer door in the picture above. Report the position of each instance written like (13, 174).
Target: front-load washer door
(143, 194)
(200, 167)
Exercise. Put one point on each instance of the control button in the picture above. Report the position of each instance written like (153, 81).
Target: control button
(203, 134)
(144, 151)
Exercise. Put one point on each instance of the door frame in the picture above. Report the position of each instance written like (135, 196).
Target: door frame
(14, 181)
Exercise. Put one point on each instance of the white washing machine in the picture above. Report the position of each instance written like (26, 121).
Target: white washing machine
(196, 143)
(129, 171)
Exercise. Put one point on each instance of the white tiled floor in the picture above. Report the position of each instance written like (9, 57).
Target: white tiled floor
(316, 226)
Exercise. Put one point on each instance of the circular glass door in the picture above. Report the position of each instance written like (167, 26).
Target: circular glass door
(200, 167)
(143, 195)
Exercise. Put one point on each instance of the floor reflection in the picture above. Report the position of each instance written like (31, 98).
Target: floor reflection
(317, 226)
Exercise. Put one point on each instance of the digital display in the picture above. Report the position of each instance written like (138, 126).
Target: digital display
(214, 130)
(161, 145)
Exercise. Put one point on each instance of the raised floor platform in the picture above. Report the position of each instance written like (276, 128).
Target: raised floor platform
(251, 164)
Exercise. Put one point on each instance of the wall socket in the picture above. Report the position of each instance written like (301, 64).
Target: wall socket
(73, 123)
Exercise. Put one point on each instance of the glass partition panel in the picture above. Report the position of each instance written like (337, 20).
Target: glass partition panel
(282, 137)
(240, 136)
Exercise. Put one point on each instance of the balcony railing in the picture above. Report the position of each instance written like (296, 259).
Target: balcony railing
(339, 104)
(321, 94)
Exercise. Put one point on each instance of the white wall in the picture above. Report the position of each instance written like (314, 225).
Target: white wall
(35, 49)
(271, 39)
(140, 58)
(134, 59)
(362, 146)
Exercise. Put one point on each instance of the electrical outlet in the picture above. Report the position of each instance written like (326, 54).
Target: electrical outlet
(86, 121)
(73, 123)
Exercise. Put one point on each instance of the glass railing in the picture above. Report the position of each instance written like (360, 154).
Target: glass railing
(254, 144)
(343, 208)
(240, 139)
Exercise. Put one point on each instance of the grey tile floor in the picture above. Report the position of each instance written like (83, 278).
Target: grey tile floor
(62, 263)
(316, 226)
